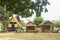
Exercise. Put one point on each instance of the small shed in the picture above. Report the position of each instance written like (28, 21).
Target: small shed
(46, 26)
(13, 24)
(30, 27)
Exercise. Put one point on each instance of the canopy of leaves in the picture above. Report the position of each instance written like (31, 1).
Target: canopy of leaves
(17, 6)
(22, 7)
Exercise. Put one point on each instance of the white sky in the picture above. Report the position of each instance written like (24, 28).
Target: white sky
(52, 14)
(53, 11)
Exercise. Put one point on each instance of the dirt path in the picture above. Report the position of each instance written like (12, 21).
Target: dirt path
(5, 34)
(29, 36)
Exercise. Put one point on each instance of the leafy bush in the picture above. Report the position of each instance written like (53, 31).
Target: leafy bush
(57, 24)
(38, 20)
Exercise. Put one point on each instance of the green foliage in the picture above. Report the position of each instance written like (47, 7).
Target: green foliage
(22, 23)
(39, 6)
(57, 24)
(17, 6)
(38, 20)
(4, 27)
(22, 7)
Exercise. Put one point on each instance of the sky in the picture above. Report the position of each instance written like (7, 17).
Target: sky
(52, 14)
(53, 11)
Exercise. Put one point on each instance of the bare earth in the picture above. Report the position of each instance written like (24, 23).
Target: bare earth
(29, 36)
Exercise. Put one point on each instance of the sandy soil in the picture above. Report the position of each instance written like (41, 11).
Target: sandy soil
(29, 36)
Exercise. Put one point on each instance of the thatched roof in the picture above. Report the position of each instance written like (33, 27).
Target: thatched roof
(30, 24)
(46, 23)
(15, 20)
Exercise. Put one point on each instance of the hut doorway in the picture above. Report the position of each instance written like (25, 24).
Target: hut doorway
(13, 26)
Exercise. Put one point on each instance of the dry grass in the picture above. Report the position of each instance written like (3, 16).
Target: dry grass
(29, 36)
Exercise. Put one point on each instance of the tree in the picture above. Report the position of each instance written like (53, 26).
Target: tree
(39, 6)
(57, 24)
(16, 5)
(38, 20)
(19, 7)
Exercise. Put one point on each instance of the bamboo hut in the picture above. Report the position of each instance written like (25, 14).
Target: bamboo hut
(30, 27)
(46, 26)
(13, 24)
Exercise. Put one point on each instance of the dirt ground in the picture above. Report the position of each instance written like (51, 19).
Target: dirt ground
(29, 36)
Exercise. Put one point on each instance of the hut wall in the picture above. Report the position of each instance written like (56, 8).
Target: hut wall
(30, 28)
(46, 28)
